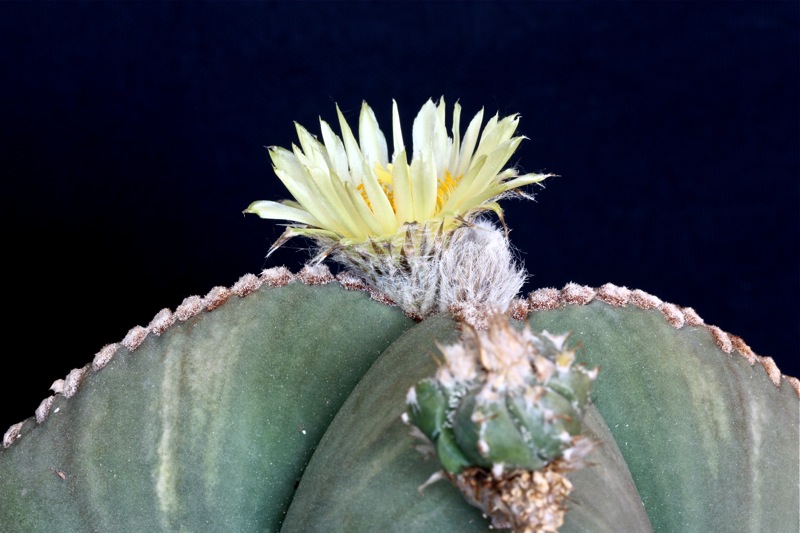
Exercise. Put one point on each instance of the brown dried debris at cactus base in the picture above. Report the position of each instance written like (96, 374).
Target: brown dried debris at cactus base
(542, 299)
(522, 500)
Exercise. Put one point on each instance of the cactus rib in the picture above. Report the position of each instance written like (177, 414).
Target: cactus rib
(206, 427)
(189, 307)
(538, 300)
(677, 317)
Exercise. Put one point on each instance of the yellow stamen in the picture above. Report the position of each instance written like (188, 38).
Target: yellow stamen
(360, 188)
(387, 188)
(446, 188)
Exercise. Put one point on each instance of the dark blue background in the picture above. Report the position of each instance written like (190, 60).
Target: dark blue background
(133, 135)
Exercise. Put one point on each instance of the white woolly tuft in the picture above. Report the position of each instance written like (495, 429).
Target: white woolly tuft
(575, 456)
(429, 271)
(478, 268)
(460, 366)
(497, 469)
(411, 397)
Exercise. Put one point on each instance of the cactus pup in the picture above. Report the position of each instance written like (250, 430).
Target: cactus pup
(503, 416)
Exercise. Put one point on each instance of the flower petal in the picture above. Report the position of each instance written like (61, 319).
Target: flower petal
(397, 132)
(527, 179)
(279, 211)
(312, 232)
(496, 133)
(468, 145)
(312, 148)
(423, 187)
(336, 152)
(295, 179)
(453, 205)
(455, 152)
(309, 197)
(363, 210)
(422, 130)
(495, 161)
(347, 190)
(440, 141)
(381, 206)
(403, 192)
(354, 157)
(370, 136)
(338, 203)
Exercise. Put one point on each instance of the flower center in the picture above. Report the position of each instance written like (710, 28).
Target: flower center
(445, 188)
(385, 180)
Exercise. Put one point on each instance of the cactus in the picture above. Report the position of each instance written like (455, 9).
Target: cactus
(208, 423)
(278, 404)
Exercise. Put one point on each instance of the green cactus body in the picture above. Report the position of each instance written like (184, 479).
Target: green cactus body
(206, 427)
(689, 418)
(668, 414)
(377, 477)
(209, 426)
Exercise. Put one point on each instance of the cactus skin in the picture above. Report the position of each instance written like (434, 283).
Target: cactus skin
(375, 477)
(695, 425)
(205, 428)
(710, 440)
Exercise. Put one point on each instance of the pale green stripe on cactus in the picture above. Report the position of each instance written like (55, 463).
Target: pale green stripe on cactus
(206, 428)
(369, 482)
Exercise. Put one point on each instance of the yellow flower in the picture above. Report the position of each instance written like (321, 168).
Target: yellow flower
(348, 192)
(410, 230)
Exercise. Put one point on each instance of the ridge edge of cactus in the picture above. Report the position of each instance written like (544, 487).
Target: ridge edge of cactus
(474, 315)
(163, 320)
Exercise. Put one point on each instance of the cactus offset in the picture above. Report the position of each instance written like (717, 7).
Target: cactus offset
(504, 416)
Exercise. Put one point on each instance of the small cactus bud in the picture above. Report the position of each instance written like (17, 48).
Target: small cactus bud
(504, 413)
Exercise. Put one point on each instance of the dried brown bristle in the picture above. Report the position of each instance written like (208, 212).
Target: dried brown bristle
(247, 284)
(318, 274)
(277, 276)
